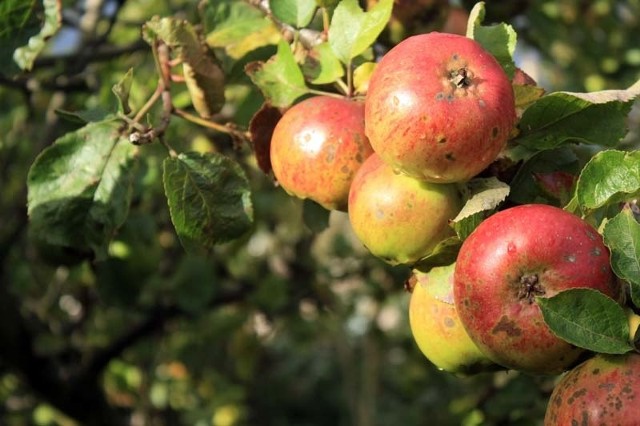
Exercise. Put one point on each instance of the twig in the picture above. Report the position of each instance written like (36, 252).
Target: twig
(212, 124)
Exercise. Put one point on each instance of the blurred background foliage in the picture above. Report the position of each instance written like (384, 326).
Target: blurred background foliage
(293, 325)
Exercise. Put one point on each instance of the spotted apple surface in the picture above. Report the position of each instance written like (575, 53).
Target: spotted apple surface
(603, 390)
(317, 147)
(439, 107)
(398, 218)
(436, 327)
(513, 257)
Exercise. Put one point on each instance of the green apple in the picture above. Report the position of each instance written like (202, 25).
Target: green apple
(398, 218)
(436, 327)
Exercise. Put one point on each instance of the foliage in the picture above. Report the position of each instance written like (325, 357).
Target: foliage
(151, 271)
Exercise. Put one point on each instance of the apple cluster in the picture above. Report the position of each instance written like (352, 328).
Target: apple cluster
(438, 111)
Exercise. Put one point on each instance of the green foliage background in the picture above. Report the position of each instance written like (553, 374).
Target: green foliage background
(292, 324)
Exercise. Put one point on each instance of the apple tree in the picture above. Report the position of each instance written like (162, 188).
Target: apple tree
(279, 212)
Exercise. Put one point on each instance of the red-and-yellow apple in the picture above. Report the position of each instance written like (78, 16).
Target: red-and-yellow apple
(509, 259)
(439, 107)
(398, 218)
(317, 147)
(436, 327)
(603, 390)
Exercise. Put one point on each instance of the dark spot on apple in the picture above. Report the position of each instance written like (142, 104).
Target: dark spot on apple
(557, 401)
(449, 322)
(439, 96)
(585, 420)
(596, 251)
(590, 235)
(455, 57)
(449, 156)
(494, 132)
(508, 326)
(607, 386)
(441, 139)
(396, 101)
(331, 154)
(577, 394)
(450, 97)
(595, 371)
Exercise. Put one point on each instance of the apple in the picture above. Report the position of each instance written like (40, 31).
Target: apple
(439, 107)
(317, 147)
(510, 259)
(398, 218)
(634, 322)
(603, 390)
(436, 327)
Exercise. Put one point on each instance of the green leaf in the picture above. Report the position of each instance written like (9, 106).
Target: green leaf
(279, 79)
(209, 199)
(327, 3)
(237, 27)
(315, 217)
(445, 253)
(362, 76)
(122, 90)
(298, 13)
(19, 20)
(321, 66)
(588, 319)
(99, 113)
(194, 283)
(526, 94)
(524, 188)
(353, 30)
(609, 177)
(79, 189)
(25, 56)
(499, 40)
(202, 73)
(622, 236)
(484, 195)
(598, 118)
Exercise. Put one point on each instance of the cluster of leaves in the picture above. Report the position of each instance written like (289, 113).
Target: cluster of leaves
(83, 188)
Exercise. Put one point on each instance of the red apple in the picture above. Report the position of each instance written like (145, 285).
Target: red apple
(317, 147)
(398, 218)
(436, 327)
(509, 259)
(439, 107)
(603, 390)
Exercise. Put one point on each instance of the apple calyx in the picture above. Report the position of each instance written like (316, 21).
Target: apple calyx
(531, 287)
(460, 78)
